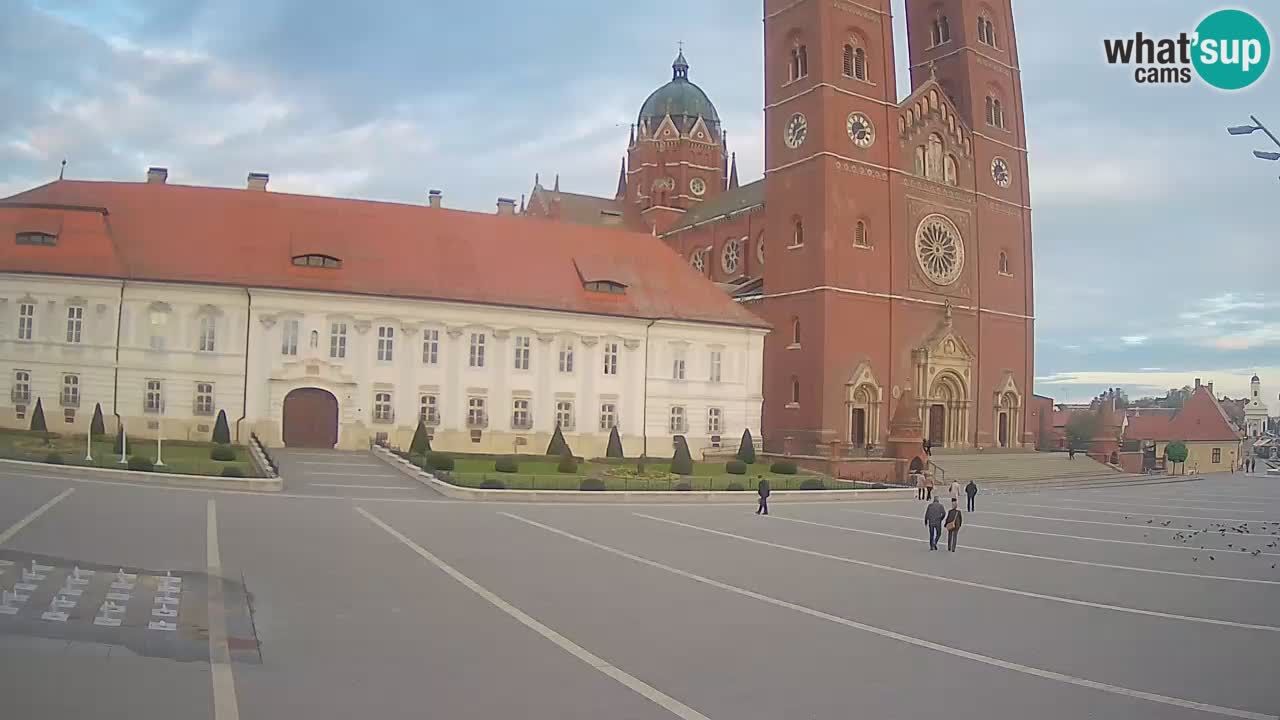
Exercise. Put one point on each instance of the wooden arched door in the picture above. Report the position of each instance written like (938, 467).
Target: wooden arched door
(310, 419)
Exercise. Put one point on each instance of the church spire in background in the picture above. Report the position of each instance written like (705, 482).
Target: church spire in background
(733, 172)
(622, 180)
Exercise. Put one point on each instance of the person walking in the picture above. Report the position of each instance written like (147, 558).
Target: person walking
(954, 490)
(919, 478)
(953, 522)
(971, 490)
(928, 487)
(763, 489)
(933, 518)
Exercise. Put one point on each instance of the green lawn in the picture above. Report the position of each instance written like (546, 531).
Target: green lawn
(181, 457)
(539, 472)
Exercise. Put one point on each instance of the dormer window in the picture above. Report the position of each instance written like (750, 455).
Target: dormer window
(605, 286)
(320, 261)
(36, 238)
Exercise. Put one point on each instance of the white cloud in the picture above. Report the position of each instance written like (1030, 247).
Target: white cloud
(1134, 339)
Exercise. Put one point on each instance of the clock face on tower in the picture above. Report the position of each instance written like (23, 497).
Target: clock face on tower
(861, 131)
(796, 131)
(1000, 172)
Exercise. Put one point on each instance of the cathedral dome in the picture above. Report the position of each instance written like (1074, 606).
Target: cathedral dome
(682, 100)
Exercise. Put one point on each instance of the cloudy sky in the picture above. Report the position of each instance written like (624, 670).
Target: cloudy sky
(1155, 233)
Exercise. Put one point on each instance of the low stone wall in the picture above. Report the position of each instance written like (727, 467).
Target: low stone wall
(208, 482)
(890, 471)
(613, 496)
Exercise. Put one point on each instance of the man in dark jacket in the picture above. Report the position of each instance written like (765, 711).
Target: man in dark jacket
(954, 520)
(971, 490)
(933, 517)
(764, 497)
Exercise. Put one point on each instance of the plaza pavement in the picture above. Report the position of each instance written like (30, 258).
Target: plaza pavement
(358, 593)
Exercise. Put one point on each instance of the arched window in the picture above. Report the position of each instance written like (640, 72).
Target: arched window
(860, 238)
(919, 166)
(940, 32)
(1004, 264)
(933, 158)
(986, 31)
(799, 62)
(848, 60)
(860, 64)
(951, 171)
(804, 61)
(795, 390)
(797, 233)
(795, 331)
(995, 112)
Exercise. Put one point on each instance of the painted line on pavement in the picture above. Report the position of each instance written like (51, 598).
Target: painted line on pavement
(225, 706)
(968, 583)
(908, 639)
(1271, 498)
(1109, 524)
(1057, 535)
(675, 707)
(7, 535)
(362, 487)
(1130, 512)
(366, 465)
(351, 475)
(1153, 505)
(1034, 557)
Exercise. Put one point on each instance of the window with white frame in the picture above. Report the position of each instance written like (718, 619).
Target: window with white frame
(315, 340)
(608, 416)
(430, 347)
(566, 356)
(429, 409)
(204, 399)
(523, 343)
(382, 409)
(678, 423)
(289, 337)
(521, 418)
(75, 323)
(337, 340)
(153, 399)
(207, 333)
(717, 363)
(611, 358)
(678, 364)
(564, 414)
(158, 322)
(70, 390)
(26, 321)
(476, 356)
(714, 425)
(21, 393)
(477, 412)
(386, 343)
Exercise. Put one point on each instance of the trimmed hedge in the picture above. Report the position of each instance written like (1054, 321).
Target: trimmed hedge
(682, 461)
(683, 487)
(813, 484)
(37, 418)
(222, 453)
(506, 465)
(420, 445)
(615, 444)
(53, 458)
(221, 433)
(592, 484)
(491, 483)
(783, 467)
(568, 465)
(439, 461)
(735, 487)
(232, 471)
(747, 449)
(558, 446)
(141, 463)
(735, 467)
(97, 426)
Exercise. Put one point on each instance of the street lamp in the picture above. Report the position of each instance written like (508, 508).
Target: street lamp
(1251, 129)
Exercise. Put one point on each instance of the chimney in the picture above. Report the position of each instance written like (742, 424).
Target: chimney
(434, 197)
(157, 175)
(258, 181)
(1211, 390)
(1197, 383)
(506, 206)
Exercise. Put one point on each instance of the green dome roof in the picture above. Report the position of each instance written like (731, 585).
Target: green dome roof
(682, 100)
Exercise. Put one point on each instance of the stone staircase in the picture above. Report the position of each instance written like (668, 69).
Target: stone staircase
(1020, 467)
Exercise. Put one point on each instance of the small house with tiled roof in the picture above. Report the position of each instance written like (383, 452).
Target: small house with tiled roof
(1213, 442)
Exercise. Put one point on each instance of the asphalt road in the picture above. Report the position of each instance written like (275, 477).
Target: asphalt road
(358, 593)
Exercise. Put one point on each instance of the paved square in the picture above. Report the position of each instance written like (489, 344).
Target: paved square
(357, 594)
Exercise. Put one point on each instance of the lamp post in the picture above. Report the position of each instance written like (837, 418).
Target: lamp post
(1251, 129)
(160, 437)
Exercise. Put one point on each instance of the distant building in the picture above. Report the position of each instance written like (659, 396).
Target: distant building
(1255, 412)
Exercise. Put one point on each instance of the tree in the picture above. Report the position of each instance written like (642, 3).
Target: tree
(37, 419)
(558, 446)
(682, 461)
(747, 449)
(1176, 452)
(421, 444)
(1081, 429)
(615, 444)
(96, 426)
(221, 433)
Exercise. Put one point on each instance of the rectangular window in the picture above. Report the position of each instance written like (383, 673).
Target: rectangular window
(382, 412)
(713, 421)
(289, 338)
(68, 415)
(26, 321)
(75, 323)
(522, 352)
(157, 337)
(476, 358)
(430, 347)
(717, 360)
(70, 390)
(204, 399)
(566, 357)
(520, 417)
(608, 416)
(21, 393)
(477, 413)
(429, 409)
(207, 330)
(564, 414)
(153, 400)
(678, 365)
(611, 358)
(338, 340)
(678, 424)
(386, 343)
(1217, 455)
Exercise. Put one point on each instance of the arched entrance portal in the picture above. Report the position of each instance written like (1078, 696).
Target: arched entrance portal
(310, 419)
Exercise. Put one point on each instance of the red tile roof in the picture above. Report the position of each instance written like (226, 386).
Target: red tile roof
(1202, 419)
(239, 237)
(1155, 426)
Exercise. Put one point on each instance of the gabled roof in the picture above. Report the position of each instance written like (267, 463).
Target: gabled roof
(726, 203)
(1155, 426)
(1202, 420)
(178, 233)
(575, 207)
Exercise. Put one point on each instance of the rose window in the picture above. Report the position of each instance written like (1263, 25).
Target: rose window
(732, 254)
(939, 250)
(698, 261)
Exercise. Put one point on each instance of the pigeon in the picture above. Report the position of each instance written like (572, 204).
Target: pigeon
(1150, 521)
(1256, 553)
(1210, 557)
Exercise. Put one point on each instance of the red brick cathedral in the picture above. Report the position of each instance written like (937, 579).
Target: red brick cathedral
(889, 243)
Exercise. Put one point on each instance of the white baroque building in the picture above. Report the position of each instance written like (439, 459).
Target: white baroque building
(1255, 412)
(321, 322)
